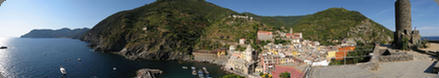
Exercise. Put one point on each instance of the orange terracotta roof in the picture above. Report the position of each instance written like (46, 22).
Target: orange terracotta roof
(264, 32)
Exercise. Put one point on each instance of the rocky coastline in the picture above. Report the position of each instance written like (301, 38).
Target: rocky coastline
(148, 73)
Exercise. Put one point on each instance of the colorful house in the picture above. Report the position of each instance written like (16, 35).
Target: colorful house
(343, 51)
(242, 41)
(294, 35)
(340, 55)
(331, 54)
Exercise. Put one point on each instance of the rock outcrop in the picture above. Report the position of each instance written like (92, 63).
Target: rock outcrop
(148, 73)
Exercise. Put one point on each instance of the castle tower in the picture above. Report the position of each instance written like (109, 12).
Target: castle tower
(403, 21)
(1, 1)
(403, 15)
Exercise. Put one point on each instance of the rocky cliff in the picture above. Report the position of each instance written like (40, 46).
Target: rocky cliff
(162, 30)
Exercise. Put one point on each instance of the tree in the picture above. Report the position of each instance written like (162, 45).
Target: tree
(232, 76)
(285, 75)
(405, 44)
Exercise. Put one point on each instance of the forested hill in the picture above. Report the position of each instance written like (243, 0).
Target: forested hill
(162, 30)
(60, 33)
(335, 24)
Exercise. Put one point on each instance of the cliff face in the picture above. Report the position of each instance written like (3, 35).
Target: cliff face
(163, 30)
(61, 33)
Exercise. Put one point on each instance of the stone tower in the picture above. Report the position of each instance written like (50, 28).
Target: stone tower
(1, 1)
(403, 24)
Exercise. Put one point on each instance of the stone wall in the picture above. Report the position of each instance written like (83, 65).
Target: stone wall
(210, 58)
(148, 73)
(395, 57)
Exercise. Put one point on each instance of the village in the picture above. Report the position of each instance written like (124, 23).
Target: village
(295, 56)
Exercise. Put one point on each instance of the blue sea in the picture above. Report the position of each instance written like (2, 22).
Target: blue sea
(41, 58)
(432, 38)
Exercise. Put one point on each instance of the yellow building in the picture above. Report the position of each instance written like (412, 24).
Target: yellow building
(221, 53)
(295, 53)
(331, 54)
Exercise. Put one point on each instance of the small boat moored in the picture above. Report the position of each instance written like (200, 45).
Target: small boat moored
(194, 72)
(63, 70)
(3, 47)
(205, 70)
(200, 73)
(184, 67)
(193, 68)
(79, 59)
(114, 68)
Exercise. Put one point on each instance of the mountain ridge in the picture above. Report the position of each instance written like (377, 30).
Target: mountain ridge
(58, 33)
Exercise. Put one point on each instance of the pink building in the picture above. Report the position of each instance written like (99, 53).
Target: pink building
(265, 35)
(294, 35)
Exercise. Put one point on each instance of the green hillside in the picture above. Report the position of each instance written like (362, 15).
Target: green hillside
(335, 24)
(277, 21)
(172, 29)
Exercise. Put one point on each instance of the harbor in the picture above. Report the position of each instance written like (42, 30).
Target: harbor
(201, 73)
(44, 61)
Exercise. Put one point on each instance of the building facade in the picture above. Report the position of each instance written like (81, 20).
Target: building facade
(265, 35)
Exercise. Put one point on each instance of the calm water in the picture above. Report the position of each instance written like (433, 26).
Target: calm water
(41, 58)
(431, 38)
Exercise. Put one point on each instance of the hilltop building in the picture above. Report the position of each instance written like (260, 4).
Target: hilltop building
(404, 36)
(241, 17)
(265, 35)
(241, 41)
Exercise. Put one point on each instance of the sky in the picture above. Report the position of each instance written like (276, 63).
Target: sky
(18, 17)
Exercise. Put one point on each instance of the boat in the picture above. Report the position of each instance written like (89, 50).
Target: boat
(79, 59)
(194, 72)
(193, 68)
(208, 76)
(184, 67)
(114, 68)
(63, 70)
(3, 47)
(200, 73)
(205, 70)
